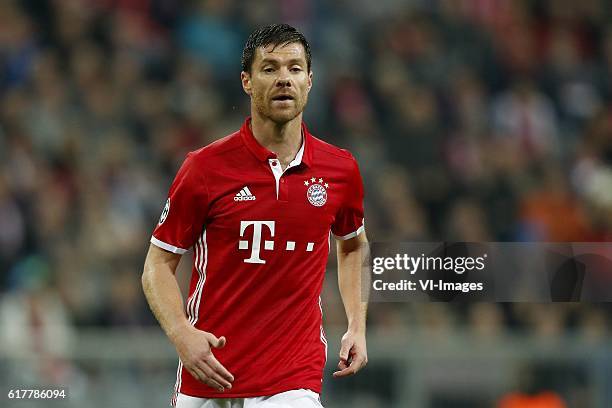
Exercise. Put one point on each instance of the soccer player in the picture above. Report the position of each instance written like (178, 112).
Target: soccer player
(258, 207)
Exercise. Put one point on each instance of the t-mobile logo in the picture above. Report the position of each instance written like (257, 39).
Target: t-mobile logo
(268, 244)
(256, 245)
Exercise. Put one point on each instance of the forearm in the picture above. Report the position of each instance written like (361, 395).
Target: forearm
(350, 259)
(193, 346)
(163, 293)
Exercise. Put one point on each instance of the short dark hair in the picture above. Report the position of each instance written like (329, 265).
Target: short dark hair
(276, 34)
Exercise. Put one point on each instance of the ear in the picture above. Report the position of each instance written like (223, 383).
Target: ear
(309, 80)
(245, 79)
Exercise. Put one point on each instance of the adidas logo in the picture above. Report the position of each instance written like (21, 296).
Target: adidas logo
(244, 195)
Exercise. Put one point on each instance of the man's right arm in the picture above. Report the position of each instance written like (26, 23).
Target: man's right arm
(193, 346)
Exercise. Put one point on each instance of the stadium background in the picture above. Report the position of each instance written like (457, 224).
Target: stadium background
(472, 120)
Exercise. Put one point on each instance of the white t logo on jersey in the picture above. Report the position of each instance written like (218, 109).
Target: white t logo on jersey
(256, 244)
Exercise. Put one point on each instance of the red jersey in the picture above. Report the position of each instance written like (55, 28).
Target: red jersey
(261, 242)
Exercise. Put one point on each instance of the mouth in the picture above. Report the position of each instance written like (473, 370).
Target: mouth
(283, 98)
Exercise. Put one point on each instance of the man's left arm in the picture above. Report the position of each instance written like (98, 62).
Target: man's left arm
(353, 351)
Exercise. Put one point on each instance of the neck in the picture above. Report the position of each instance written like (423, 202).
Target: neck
(283, 139)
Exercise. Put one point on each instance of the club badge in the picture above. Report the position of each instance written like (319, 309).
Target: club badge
(317, 191)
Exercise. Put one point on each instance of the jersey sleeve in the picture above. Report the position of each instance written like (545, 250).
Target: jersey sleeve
(185, 212)
(349, 218)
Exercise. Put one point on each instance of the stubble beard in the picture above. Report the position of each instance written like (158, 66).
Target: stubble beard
(279, 116)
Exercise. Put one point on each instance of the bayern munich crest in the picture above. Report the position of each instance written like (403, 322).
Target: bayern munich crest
(317, 191)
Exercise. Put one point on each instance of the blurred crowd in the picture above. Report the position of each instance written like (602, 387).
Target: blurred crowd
(472, 120)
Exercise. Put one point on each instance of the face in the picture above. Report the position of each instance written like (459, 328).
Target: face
(279, 82)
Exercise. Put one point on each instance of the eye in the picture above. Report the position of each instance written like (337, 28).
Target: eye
(296, 69)
(268, 70)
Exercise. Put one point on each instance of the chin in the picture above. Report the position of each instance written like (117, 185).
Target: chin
(283, 117)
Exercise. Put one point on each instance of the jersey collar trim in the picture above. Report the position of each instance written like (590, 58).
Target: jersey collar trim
(263, 154)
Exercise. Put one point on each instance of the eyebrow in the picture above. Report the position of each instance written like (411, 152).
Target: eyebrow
(276, 61)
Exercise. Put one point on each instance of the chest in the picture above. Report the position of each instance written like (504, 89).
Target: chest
(300, 200)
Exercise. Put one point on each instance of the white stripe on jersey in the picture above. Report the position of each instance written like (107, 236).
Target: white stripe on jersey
(177, 384)
(199, 296)
(323, 339)
(197, 263)
(193, 303)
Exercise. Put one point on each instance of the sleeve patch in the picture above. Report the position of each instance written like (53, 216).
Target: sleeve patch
(164, 213)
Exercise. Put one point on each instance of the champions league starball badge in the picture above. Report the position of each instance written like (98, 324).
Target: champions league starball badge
(164, 213)
(317, 191)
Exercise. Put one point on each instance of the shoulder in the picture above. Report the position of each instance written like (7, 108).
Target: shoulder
(198, 163)
(219, 147)
(328, 151)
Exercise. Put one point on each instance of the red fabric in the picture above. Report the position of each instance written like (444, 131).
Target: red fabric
(542, 400)
(269, 311)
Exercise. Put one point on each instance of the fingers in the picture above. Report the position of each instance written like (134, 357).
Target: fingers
(214, 378)
(213, 370)
(359, 361)
(344, 350)
(205, 374)
(221, 342)
(205, 367)
(224, 376)
(213, 384)
(342, 366)
(345, 368)
(343, 373)
(216, 342)
(201, 376)
(218, 368)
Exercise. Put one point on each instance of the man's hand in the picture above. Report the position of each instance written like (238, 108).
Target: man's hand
(353, 354)
(194, 348)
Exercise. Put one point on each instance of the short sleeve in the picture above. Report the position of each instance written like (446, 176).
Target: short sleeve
(349, 218)
(185, 211)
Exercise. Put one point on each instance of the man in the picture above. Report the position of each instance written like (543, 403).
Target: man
(258, 207)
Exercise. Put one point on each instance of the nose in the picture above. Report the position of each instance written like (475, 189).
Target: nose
(283, 79)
